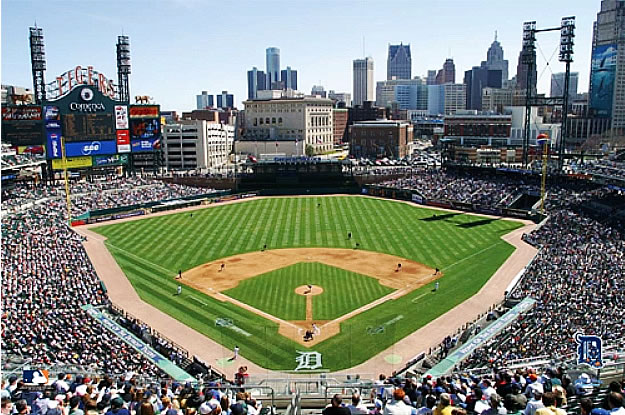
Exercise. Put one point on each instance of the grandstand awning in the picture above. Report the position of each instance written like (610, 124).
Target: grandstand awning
(152, 355)
(464, 351)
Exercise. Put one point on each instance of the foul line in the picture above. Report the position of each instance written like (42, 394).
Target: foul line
(141, 259)
(201, 302)
(473, 254)
(414, 300)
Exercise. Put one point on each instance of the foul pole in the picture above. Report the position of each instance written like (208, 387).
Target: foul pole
(543, 186)
(67, 195)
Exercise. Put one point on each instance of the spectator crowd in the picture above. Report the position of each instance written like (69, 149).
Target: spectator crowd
(577, 278)
(111, 193)
(47, 277)
(125, 395)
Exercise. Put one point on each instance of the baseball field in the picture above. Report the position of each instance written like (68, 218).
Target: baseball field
(358, 272)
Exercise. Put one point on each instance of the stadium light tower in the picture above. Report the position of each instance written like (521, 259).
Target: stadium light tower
(38, 64)
(123, 68)
(567, 36)
(528, 58)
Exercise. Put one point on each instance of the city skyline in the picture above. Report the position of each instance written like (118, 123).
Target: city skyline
(323, 56)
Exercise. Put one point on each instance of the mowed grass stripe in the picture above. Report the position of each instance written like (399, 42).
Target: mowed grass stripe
(274, 292)
(379, 225)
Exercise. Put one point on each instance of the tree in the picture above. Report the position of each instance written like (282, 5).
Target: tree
(310, 150)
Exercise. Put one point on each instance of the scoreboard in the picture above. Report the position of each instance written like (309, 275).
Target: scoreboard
(89, 127)
(22, 125)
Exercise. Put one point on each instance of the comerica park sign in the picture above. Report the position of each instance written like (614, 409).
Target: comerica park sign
(80, 76)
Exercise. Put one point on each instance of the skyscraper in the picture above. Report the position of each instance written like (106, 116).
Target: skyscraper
(447, 75)
(225, 100)
(407, 94)
(256, 81)
(446, 99)
(273, 66)
(204, 100)
(607, 76)
(494, 59)
(318, 90)
(557, 85)
(399, 63)
(476, 80)
(521, 74)
(431, 79)
(289, 78)
(363, 80)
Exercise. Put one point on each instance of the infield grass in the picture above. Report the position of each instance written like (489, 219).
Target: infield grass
(467, 248)
(274, 292)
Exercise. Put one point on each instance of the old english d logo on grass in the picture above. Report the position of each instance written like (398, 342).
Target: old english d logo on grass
(308, 361)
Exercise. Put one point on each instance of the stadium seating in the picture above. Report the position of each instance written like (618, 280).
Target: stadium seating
(577, 277)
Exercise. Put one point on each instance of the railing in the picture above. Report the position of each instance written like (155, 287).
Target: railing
(294, 407)
(614, 364)
(178, 348)
(232, 389)
(435, 351)
(517, 279)
(94, 373)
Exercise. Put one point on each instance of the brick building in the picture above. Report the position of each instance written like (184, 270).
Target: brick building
(379, 139)
(341, 116)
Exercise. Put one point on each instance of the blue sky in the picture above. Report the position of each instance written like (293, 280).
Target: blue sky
(181, 47)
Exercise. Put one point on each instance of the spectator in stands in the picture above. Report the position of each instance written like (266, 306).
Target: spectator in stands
(357, 407)
(613, 387)
(585, 406)
(535, 403)
(503, 385)
(384, 389)
(74, 406)
(428, 407)
(615, 400)
(567, 384)
(444, 405)
(21, 407)
(549, 402)
(6, 406)
(224, 402)
(560, 395)
(336, 407)
(397, 406)
(583, 385)
(60, 384)
(241, 376)
(477, 402)
(146, 408)
(117, 407)
(12, 379)
(496, 407)
(515, 401)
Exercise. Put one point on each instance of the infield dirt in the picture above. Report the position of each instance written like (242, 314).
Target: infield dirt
(223, 274)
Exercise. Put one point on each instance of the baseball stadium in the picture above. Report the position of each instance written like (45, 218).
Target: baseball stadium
(294, 284)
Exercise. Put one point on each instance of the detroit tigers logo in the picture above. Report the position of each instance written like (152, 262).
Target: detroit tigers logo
(308, 361)
(589, 350)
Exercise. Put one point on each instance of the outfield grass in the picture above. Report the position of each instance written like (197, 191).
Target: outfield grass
(274, 292)
(467, 248)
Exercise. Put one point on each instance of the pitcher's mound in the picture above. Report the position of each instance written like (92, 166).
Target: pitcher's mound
(304, 290)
